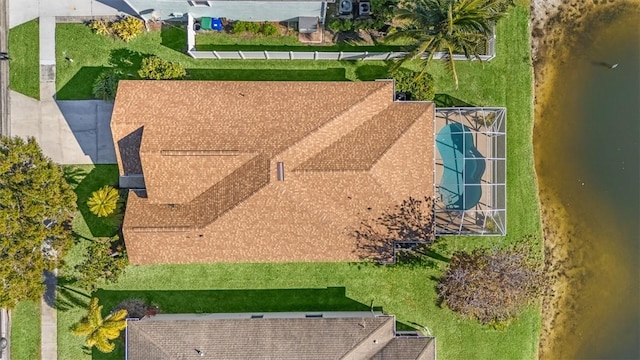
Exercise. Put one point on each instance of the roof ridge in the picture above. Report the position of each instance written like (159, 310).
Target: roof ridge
(356, 350)
(426, 347)
(329, 132)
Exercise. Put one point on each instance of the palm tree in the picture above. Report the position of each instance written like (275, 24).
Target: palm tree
(451, 26)
(99, 331)
(104, 201)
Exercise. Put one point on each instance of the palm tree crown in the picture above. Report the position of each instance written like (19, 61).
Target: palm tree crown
(104, 201)
(99, 331)
(451, 26)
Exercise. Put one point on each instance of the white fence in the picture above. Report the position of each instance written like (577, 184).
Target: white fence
(309, 55)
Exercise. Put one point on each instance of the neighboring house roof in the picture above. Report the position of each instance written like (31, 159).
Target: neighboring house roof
(209, 153)
(352, 336)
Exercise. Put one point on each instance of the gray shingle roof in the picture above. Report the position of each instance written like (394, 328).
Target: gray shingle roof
(270, 338)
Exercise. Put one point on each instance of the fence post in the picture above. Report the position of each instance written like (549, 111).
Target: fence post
(315, 55)
(241, 54)
(366, 54)
(215, 53)
(388, 56)
(340, 56)
(290, 55)
(266, 54)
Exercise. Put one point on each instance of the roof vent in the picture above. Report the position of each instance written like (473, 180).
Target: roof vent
(280, 171)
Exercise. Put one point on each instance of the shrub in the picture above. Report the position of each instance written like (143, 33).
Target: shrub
(268, 29)
(103, 202)
(106, 260)
(155, 68)
(335, 25)
(239, 27)
(346, 25)
(417, 86)
(246, 26)
(127, 28)
(490, 286)
(100, 27)
(136, 308)
(106, 84)
(253, 27)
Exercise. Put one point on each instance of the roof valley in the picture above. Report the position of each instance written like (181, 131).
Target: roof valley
(330, 132)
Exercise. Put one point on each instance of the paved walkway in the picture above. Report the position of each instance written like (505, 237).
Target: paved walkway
(70, 132)
(22, 11)
(49, 326)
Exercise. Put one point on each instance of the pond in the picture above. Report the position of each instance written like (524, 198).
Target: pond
(587, 150)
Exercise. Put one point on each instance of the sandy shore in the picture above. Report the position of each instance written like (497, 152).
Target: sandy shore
(555, 23)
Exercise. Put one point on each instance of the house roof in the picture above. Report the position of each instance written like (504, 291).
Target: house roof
(209, 153)
(364, 337)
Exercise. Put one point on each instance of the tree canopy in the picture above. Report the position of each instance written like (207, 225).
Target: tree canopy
(100, 331)
(36, 205)
(450, 26)
(490, 285)
(106, 259)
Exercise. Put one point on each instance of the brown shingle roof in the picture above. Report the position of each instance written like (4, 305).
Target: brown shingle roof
(179, 336)
(208, 152)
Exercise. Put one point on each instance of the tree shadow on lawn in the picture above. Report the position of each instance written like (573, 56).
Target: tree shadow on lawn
(331, 74)
(237, 301)
(373, 72)
(80, 86)
(127, 61)
(98, 177)
(69, 297)
(446, 100)
(174, 37)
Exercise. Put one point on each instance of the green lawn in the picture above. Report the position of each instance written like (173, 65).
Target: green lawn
(251, 42)
(93, 53)
(24, 50)
(85, 179)
(407, 291)
(25, 331)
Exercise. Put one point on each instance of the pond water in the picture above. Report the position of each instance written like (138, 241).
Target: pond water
(587, 149)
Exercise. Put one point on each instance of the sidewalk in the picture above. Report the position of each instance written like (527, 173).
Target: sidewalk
(49, 318)
(22, 11)
(69, 132)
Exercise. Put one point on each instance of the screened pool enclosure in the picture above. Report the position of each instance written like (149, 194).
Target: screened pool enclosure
(470, 171)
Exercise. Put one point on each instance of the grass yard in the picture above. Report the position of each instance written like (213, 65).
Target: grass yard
(85, 179)
(24, 50)
(25, 331)
(252, 42)
(92, 54)
(406, 290)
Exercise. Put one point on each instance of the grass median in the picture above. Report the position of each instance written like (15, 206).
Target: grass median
(25, 331)
(24, 66)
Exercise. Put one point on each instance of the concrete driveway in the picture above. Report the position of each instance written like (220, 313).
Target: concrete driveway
(69, 132)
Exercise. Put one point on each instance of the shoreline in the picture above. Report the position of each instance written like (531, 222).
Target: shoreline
(555, 22)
